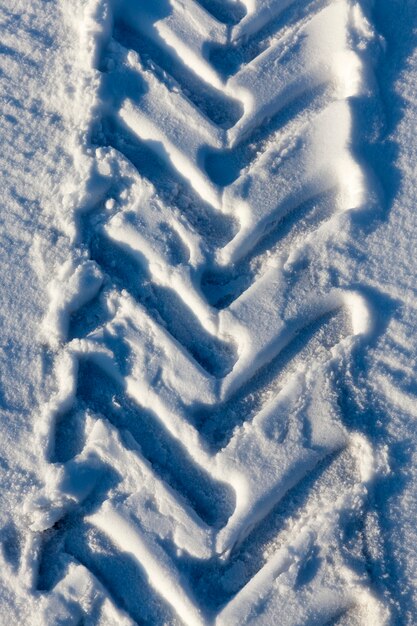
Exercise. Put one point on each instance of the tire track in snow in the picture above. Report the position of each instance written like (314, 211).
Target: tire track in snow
(289, 428)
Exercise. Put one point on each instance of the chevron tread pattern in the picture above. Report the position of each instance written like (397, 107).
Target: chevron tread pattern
(196, 436)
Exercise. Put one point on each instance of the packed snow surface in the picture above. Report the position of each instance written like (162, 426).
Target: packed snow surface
(208, 313)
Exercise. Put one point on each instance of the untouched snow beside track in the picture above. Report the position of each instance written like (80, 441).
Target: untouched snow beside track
(36, 81)
(208, 348)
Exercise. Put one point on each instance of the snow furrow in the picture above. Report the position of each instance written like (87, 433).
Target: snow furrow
(293, 430)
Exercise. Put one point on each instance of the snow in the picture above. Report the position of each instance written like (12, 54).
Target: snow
(207, 312)
(180, 27)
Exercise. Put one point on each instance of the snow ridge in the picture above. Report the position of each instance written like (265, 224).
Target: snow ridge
(197, 439)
